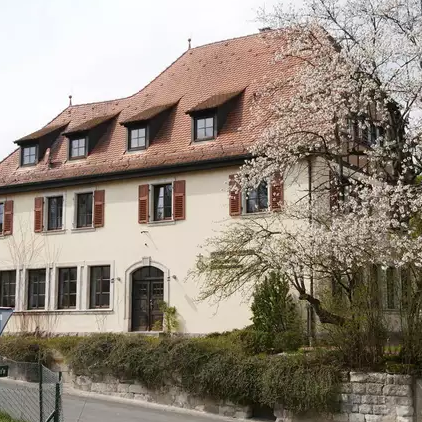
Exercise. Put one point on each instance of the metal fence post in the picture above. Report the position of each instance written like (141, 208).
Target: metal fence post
(40, 390)
(57, 404)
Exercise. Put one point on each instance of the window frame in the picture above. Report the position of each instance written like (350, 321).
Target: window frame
(129, 129)
(2, 217)
(152, 201)
(47, 212)
(76, 210)
(28, 290)
(90, 287)
(78, 138)
(23, 147)
(9, 295)
(203, 115)
(245, 201)
(60, 287)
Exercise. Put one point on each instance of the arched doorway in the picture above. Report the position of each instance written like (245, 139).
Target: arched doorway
(147, 295)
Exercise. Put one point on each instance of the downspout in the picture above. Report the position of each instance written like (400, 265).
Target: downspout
(310, 309)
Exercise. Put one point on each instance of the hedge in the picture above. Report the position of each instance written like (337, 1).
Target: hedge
(207, 367)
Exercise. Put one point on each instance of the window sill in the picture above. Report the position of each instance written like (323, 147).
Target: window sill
(66, 311)
(201, 141)
(258, 214)
(53, 232)
(161, 223)
(83, 229)
(135, 151)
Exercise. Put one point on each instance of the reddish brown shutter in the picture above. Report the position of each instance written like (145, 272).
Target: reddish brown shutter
(8, 218)
(99, 197)
(235, 206)
(143, 204)
(38, 214)
(179, 194)
(276, 193)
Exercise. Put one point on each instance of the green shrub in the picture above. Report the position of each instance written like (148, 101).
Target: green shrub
(200, 366)
(274, 309)
(22, 348)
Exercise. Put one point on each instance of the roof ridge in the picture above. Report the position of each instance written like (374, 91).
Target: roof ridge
(232, 39)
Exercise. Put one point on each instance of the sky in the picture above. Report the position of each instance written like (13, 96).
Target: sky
(97, 50)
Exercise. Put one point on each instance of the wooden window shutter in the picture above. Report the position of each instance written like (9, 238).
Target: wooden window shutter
(38, 214)
(8, 218)
(143, 209)
(276, 192)
(99, 198)
(235, 203)
(179, 195)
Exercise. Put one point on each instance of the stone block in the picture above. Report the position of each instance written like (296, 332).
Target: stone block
(346, 388)
(344, 398)
(137, 389)
(374, 389)
(356, 417)
(402, 401)
(143, 397)
(182, 399)
(404, 410)
(373, 418)
(359, 388)
(367, 399)
(397, 390)
(377, 377)
(123, 388)
(365, 409)
(346, 408)
(355, 399)
(390, 379)
(380, 409)
(404, 419)
(102, 387)
(403, 379)
(341, 417)
(358, 377)
(108, 379)
(355, 408)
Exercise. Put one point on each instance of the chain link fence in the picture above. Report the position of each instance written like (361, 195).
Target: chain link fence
(36, 400)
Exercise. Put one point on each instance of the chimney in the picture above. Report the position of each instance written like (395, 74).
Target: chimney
(265, 29)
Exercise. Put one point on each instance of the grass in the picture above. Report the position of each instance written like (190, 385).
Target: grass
(6, 418)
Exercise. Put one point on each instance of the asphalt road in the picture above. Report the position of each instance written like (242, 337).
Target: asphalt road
(21, 401)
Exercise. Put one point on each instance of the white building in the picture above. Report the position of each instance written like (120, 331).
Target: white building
(103, 211)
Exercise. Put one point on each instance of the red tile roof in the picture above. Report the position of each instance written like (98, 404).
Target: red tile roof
(197, 76)
(149, 113)
(90, 124)
(215, 100)
(46, 130)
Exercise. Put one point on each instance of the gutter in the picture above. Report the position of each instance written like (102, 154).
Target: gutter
(126, 174)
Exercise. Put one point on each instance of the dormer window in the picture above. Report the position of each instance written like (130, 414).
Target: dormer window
(137, 138)
(29, 155)
(205, 127)
(77, 148)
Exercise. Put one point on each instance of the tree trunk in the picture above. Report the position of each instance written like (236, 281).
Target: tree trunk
(326, 317)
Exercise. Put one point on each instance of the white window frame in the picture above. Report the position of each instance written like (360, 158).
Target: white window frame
(244, 204)
(25, 286)
(75, 210)
(87, 285)
(151, 201)
(45, 212)
(55, 286)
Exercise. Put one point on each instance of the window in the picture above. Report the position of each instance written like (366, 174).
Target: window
(137, 138)
(1, 217)
(257, 199)
(84, 210)
(7, 288)
(36, 289)
(67, 288)
(77, 148)
(163, 195)
(55, 213)
(204, 127)
(100, 287)
(29, 155)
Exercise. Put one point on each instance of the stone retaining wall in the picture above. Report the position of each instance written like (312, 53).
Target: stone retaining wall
(368, 397)
(171, 396)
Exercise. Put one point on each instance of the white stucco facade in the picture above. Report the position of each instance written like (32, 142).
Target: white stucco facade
(125, 245)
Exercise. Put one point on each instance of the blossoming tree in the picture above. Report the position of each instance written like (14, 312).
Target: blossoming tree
(349, 115)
